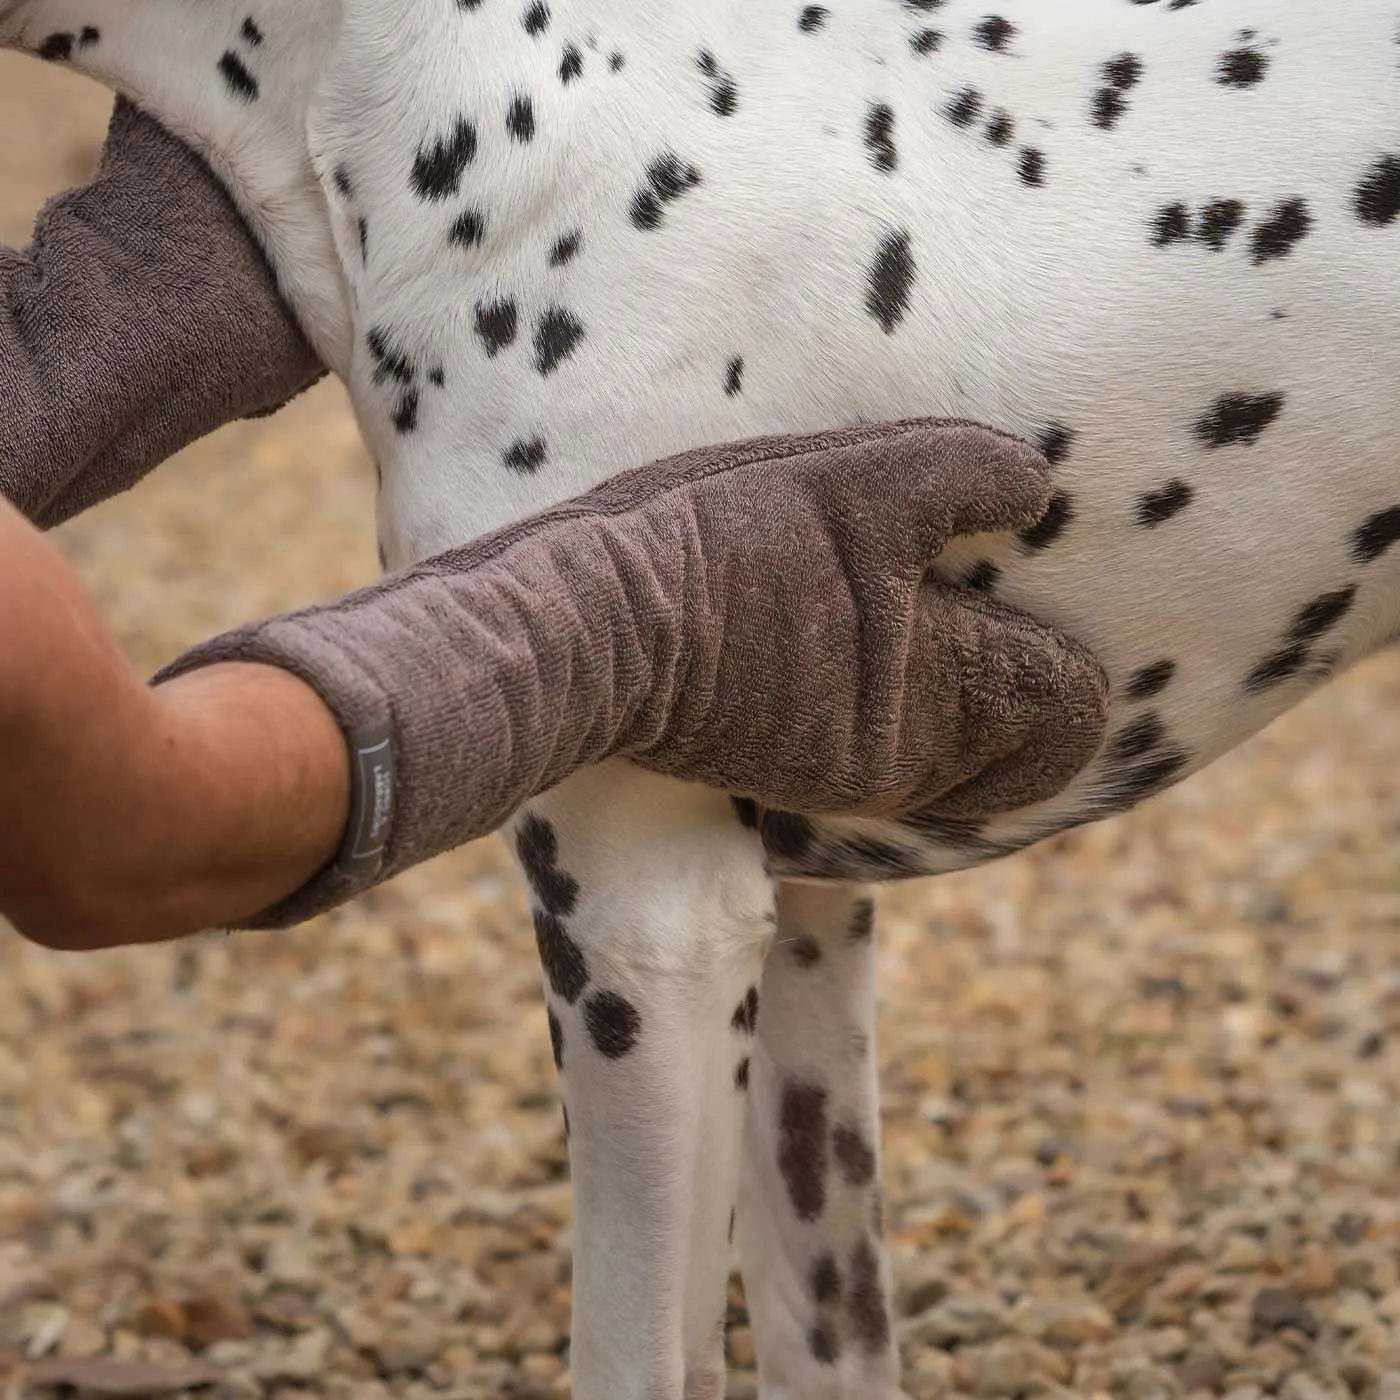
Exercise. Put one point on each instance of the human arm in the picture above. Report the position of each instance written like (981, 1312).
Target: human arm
(131, 813)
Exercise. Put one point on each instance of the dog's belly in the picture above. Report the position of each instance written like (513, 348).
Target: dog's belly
(1193, 307)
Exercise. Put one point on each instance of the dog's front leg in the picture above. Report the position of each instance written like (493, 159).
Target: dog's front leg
(652, 912)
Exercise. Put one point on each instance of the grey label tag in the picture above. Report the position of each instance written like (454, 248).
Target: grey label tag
(371, 799)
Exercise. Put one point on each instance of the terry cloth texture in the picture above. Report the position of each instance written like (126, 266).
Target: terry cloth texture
(142, 317)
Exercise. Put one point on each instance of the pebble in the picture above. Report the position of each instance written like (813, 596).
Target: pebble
(961, 1320)
(1275, 1309)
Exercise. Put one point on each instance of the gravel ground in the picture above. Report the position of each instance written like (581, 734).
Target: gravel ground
(1139, 1083)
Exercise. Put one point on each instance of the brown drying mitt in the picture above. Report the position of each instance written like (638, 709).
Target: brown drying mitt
(753, 616)
(141, 317)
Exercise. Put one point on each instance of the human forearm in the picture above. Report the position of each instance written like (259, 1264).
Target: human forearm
(136, 814)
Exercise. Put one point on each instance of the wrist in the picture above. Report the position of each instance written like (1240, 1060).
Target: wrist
(252, 774)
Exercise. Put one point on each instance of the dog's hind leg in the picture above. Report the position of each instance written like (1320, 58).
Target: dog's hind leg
(816, 1277)
(653, 913)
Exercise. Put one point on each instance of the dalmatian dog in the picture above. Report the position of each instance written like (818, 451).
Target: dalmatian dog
(545, 240)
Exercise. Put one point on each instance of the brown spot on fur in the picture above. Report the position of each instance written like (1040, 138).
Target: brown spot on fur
(802, 1133)
(854, 1156)
(866, 1299)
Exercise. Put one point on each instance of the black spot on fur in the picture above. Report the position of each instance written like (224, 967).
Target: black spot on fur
(252, 35)
(878, 858)
(571, 65)
(1376, 535)
(949, 831)
(926, 41)
(746, 809)
(437, 376)
(406, 412)
(734, 376)
(556, 1039)
(239, 81)
(565, 248)
(362, 229)
(525, 455)
(806, 951)
(1156, 506)
(1055, 443)
(1123, 72)
(787, 835)
(613, 1023)
(824, 1343)
(812, 18)
(1377, 198)
(537, 849)
(340, 178)
(556, 338)
(1218, 220)
(496, 324)
(1241, 68)
(1137, 738)
(1107, 107)
(1276, 667)
(1322, 614)
(802, 1135)
(741, 1075)
(866, 1299)
(440, 164)
(745, 1017)
(1000, 128)
(467, 229)
(1135, 784)
(668, 177)
(962, 110)
(389, 361)
(615, 62)
(1171, 224)
(1150, 680)
(854, 1156)
(993, 33)
(1119, 74)
(536, 19)
(982, 577)
(724, 93)
(58, 48)
(879, 136)
(1051, 525)
(1275, 237)
(1235, 419)
(562, 959)
(520, 119)
(826, 1279)
(1031, 167)
(89, 35)
(862, 923)
(891, 277)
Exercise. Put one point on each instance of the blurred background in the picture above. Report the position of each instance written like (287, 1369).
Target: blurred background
(1140, 1084)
